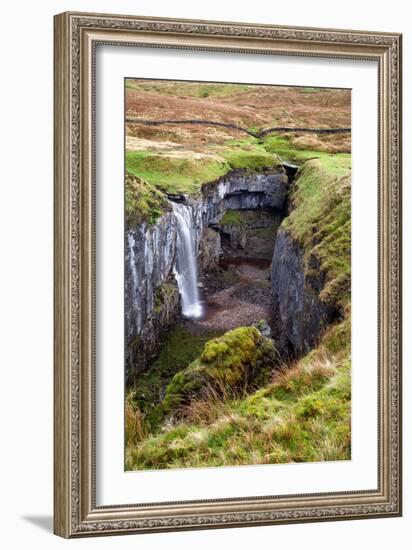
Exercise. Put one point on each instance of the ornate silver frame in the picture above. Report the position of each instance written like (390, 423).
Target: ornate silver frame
(76, 36)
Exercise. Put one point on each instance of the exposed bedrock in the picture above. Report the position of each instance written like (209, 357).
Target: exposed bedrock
(146, 345)
(300, 314)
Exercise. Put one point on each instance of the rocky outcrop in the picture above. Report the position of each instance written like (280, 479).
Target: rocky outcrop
(249, 232)
(240, 190)
(300, 314)
(149, 260)
(236, 362)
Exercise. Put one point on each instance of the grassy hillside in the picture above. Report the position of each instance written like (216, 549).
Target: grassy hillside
(179, 158)
(184, 171)
(143, 202)
(302, 415)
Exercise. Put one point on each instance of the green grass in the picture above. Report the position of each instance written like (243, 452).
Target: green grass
(186, 173)
(249, 155)
(321, 221)
(302, 416)
(175, 175)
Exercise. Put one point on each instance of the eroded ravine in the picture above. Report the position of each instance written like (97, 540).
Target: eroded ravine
(236, 217)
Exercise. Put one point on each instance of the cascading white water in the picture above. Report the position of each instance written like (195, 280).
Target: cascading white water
(185, 268)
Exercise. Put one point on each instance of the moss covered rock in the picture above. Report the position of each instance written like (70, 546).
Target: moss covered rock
(228, 366)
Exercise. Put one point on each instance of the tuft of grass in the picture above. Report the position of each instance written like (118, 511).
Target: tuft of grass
(134, 425)
(338, 337)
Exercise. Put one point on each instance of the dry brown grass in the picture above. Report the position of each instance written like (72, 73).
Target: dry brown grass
(134, 426)
(329, 143)
(319, 366)
(253, 106)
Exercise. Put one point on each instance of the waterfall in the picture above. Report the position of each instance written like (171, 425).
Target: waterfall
(185, 268)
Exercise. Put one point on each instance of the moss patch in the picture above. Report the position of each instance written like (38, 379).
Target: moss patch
(163, 294)
(143, 202)
(233, 217)
(253, 219)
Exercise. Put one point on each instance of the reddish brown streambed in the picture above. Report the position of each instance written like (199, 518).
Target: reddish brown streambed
(237, 294)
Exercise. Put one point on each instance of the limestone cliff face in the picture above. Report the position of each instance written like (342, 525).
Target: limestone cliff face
(260, 198)
(300, 314)
(149, 260)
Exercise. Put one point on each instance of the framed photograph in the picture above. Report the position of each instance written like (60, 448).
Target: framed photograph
(227, 274)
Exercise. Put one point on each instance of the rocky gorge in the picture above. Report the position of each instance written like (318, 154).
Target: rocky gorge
(152, 301)
(237, 274)
(238, 216)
